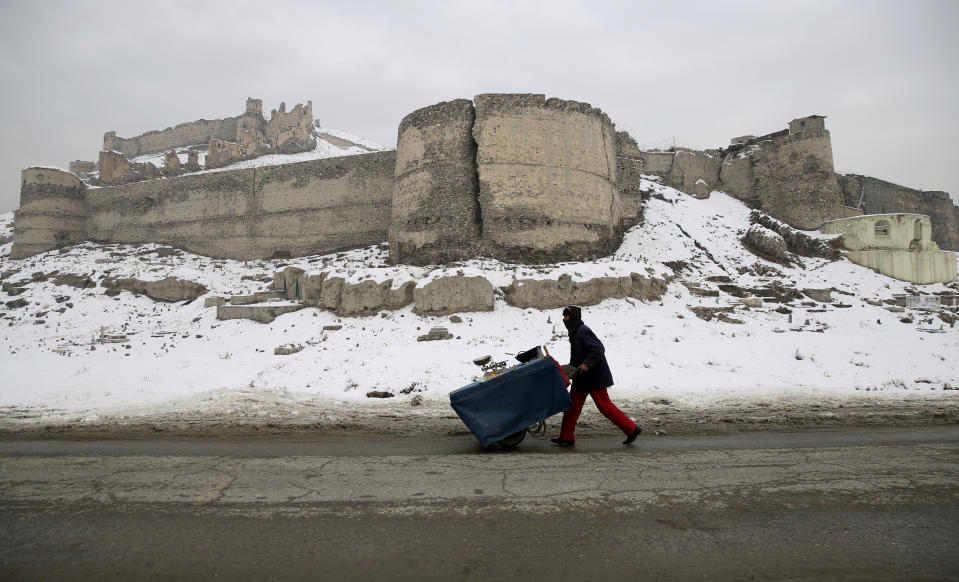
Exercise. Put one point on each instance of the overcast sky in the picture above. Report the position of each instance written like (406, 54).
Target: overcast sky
(886, 74)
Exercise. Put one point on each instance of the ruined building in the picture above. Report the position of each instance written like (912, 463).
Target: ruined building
(224, 141)
(517, 177)
(896, 245)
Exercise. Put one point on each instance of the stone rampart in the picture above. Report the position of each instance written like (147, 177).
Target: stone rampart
(52, 212)
(547, 178)
(290, 132)
(517, 177)
(880, 197)
(185, 134)
(318, 206)
(791, 178)
(629, 170)
(285, 132)
(435, 215)
(83, 167)
(696, 172)
(658, 163)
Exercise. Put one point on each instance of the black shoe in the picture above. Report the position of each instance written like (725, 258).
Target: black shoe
(629, 440)
(563, 442)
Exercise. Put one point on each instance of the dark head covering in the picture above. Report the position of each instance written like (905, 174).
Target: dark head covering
(574, 312)
(575, 317)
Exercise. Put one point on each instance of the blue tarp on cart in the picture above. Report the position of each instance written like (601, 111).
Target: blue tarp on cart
(503, 405)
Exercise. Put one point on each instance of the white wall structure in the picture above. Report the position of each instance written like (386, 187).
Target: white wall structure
(896, 245)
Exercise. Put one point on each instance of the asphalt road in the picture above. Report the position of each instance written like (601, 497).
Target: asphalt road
(880, 504)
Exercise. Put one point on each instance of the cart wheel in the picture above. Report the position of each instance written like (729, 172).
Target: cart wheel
(512, 440)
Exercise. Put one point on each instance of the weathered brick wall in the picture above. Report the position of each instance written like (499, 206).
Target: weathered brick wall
(52, 212)
(880, 196)
(435, 216)
(318, 206)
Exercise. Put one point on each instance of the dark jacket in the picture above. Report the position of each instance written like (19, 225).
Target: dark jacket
(585, 348)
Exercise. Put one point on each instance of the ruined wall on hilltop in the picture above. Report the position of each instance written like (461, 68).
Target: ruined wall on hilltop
(290, 132)
(547, 178)
(83, 167)
(789, 177)
(696, 172)
(789, 174)
(435, 214)
(880, 197)
(185, 134)
(52, 212)
(318, 206)
(191, 133)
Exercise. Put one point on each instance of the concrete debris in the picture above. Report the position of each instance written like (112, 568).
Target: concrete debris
(437, 333)
(287, 349)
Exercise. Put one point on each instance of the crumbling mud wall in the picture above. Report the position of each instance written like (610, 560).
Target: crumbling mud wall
(435, 214)
(629, 171)
(790, 177)
(318, 206)
(547, 178)
(881, 197)
(285, 132)
(788, 174)
(196, 132)
(516, 177)
(696, 172)
(290, 132)
(52, 212)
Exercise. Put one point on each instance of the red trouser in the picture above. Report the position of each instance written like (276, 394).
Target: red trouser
(604, 404)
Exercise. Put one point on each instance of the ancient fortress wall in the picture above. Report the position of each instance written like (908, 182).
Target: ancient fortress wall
(287, 131)
(696, 172)
(318, 206)
(516, 177)
(629, 170)
(879, 197)
(547, 178)
(52, 212)
(791, 178)
(185, 134)
(435, 216)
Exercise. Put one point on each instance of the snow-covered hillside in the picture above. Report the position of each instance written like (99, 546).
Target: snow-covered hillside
(180, 360)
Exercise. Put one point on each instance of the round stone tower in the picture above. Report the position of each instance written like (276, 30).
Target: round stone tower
(52, 214)
(547, 178)
(516, 177)
(435, 215)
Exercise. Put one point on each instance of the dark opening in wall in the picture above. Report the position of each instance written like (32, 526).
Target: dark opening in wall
(882, 228)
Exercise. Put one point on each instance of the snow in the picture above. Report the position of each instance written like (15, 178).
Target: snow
(181, 358)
